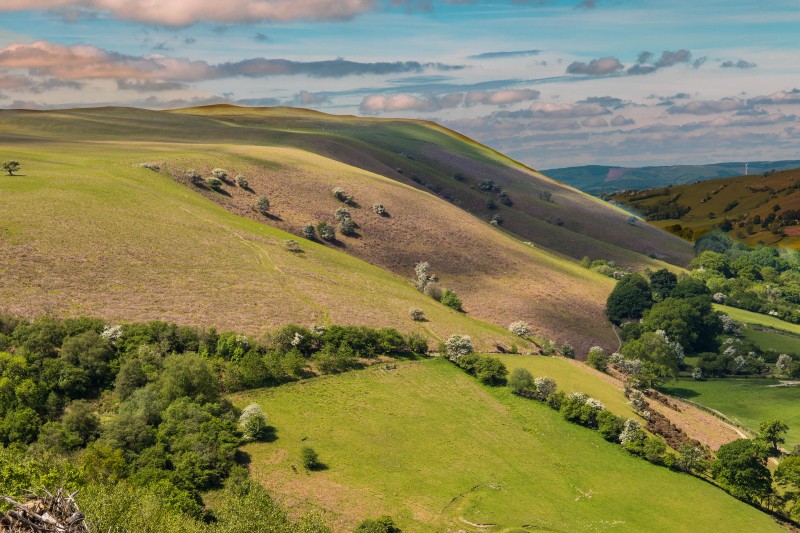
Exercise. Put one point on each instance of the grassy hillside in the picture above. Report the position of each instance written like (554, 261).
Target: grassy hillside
(748, 402)
(747, 317)
(597, 179)
(86, 232)
(478, 460)
(100, 235)
(745, 201)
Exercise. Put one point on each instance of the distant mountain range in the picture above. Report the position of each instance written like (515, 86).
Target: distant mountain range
(597, 179)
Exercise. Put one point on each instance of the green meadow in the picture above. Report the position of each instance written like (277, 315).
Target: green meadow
(747, 401)
(478, 459)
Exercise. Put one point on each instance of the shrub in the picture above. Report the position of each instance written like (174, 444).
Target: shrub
(597, 358)
(309, 458)
(253, 423)
(342, 214)
(241, 181)
(457, 346)
(262, 205)
(416, 314)
(451, 299)
(309, 232)
(520, 381)
(520, 328)
(291, 245)
(214, 183)
(556, 400)
(417, 344)
(568, 351)
(150, 166)
(219, 173)
(433, 290)
(384, 524)
(347, 227)
(504, 199)
(490, 370)
(496, 220)
(610, 425)
(342, 196)
(326, 231)
(193, 176)
(379, 209)
(545, 387)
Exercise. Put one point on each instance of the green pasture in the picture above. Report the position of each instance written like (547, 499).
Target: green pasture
(747, 401)
(477, 459)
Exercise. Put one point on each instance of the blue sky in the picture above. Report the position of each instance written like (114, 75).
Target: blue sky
(552, 83)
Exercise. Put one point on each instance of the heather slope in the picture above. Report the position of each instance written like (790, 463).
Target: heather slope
(89, 231)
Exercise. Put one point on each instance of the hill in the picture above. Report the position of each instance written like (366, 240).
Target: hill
(478, 459)
(753, 209)
(599, 179)
(87, 230)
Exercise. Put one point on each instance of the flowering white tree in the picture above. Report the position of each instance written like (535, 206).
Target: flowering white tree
(784, 363)
(253, 422)
(520, 328)
(545, 386)
(631, 432)
(457, 346)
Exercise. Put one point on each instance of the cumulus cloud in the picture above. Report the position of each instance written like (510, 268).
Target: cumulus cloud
(737, 64)
(781, 97)
(501, 98)
(595, 122)
(185, 12)
(599, 67)
(605, 101)
(375, 104)
(708, 107)
(619, 120)
(505, 55)
(305, 98)
(81, 62)
(669, 58)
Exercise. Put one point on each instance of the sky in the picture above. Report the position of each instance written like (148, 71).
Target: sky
(552, 83)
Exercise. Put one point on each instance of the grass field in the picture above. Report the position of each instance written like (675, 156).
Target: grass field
(745, 401)
(780, 342)
(573, 378)
(748, 317)
(475, 456)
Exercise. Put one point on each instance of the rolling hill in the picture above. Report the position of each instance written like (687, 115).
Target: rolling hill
(87, 230)
(479, 459)
(599, 179)
(753, 209)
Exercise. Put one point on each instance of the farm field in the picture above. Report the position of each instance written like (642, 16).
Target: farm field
(747, 401)
(479, 459)
(748, 317)
(782, 343)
